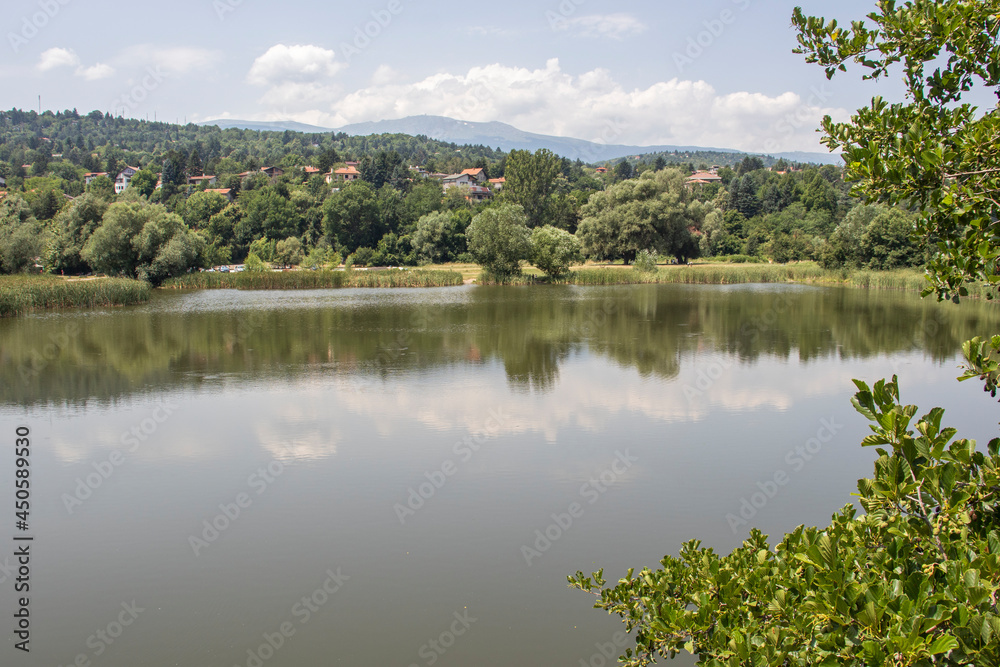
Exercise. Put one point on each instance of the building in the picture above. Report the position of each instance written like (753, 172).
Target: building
(478, 193)
(498, 183)
(124, 178)
(344, 175)
(704, 177)
(92, 175)
(478, 175)
(463, 180)
(3, 182)
(602, 170)
(198, 180)
(312, 171)
(273, 172)
(225, 192)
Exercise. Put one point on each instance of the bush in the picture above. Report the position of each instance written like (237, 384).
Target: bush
(645, 261)
(554, 251)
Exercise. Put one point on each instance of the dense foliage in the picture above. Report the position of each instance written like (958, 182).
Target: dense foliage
(914, 581)
(395, 214)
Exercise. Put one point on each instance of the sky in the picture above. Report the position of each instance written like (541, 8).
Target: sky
(717, 73)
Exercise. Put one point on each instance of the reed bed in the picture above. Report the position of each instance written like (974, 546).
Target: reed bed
(24, 294)
(905, 280)
(304, 280)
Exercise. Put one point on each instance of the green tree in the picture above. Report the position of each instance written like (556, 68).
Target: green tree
(915, 580)
(201, 206)
(351, 217)
(144, 182)
(289, 252)
(554, 251)
(103, 187)
(624, 171)
(22, 238)
(439, 237)
(654, 211)
(72, 229)
(144, 241)
(531, 181)
(499, 240)
(266, 213)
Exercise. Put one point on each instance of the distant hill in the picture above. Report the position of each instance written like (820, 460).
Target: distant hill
(263, 126)
(507, 138)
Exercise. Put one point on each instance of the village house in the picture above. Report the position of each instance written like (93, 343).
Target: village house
(225, 192)
(344, 175)
(478, 175)
(312, 171)
(601, 170)
(478, 193)
(703, 178)
(498, 183)
(90, 176)
(458, 180)
(198, 180)
(124, 178)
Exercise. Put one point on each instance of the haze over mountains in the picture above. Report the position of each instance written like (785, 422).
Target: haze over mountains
(499, 135)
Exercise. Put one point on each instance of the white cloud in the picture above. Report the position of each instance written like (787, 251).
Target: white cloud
(592, 106)
(181, 60)
(96, 72)
(613, 26)
(300, 63)
(57, 57)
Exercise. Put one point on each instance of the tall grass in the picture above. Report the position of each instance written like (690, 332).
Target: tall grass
(908, 280)
(23, 294)
(300, 280)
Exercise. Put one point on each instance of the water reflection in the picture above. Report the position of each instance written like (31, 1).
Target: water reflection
(194, 340)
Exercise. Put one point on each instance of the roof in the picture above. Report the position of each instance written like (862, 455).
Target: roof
(203, 177)
(705, 176)
(498, 181)
(312, 170)
(95, 173)
(455, 177)
(473, 172)
(221, 191)
(347, 170)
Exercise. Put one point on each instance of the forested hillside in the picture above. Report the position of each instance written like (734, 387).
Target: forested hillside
(58, 214)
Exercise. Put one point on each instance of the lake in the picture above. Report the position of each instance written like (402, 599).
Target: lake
(406, 477)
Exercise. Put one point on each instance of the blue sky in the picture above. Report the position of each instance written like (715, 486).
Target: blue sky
(711, 73)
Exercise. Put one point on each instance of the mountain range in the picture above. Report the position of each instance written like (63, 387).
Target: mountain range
(499, 135)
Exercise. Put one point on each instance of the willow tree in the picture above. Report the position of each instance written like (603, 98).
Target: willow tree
(656, 211)
(915, 580)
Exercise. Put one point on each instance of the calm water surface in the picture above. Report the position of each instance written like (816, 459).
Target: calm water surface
(373, 471)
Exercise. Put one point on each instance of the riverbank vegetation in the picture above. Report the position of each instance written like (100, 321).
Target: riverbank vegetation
(301, 280)
(291, 198)
(24, 294)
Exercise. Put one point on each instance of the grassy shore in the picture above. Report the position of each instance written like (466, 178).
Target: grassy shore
(299, 280)
(23, 294)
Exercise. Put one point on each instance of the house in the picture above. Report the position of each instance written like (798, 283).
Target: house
(311, 171)
(3, 182)
(602, 170)
(273, 172)
(88, 177)
(459, 180)
(225, 192)
(478, 193)
(498, 183)
(478, 175)
(124, 178)
(344, 174)
(419, 171)
(704, 177)
(198, 180)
